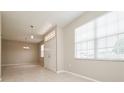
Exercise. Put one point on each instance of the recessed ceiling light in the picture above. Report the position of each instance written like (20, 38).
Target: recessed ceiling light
(32, 37)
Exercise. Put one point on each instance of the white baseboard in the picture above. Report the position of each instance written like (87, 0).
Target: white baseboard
(78, 75)
(22, 65)
(61, 71)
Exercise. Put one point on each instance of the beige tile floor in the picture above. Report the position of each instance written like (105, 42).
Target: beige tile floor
(36, 74)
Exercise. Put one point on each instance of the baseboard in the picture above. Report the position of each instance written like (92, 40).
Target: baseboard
(61, 71)
(6, 65)
(78, 75)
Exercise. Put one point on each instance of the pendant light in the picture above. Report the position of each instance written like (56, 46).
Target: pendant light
(32, 36)
(28, 35)
(26, 46)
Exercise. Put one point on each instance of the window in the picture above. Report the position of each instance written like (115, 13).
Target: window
(85, 41)
(102, 38)
(50, 35)
(42, 50)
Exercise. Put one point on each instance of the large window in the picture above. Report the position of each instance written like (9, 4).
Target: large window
(84, 40)
(102, 38)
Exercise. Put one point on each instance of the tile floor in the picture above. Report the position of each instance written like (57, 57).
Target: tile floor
(36, 74)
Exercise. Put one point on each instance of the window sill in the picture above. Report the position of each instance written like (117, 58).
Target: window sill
(110, 60)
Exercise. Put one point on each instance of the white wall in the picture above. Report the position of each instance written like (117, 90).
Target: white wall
(99, 70)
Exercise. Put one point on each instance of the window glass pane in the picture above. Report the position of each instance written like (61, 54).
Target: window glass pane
(90, 53)
(101, 21)
(121, 26)
(85, 32)
(91, 44)
(101, 53)
(78, 46)
(84, 38)
(121, 36)
(111, 18)
(111, 41)
(101, 43)
(110, 54)
(109, 25)
(120, 21)
(120, 16)
(119, 47)
(105, 53)
(111, 29)
(84, 54)
(84, 46)
(101, 31)
(77, 50)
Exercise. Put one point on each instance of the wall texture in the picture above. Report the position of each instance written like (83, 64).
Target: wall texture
(13, 53)
(99, 70)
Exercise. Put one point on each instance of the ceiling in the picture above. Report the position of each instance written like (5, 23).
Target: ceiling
(16, 25)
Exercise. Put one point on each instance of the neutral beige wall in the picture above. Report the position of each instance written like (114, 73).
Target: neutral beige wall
(13, 53)
(59, 43)
(99, 70)
(0, 45)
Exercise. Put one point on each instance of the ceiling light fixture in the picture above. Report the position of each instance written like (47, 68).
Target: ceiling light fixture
(26, 47)
(32, 37)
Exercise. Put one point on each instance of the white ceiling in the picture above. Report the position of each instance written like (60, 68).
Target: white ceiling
(16, 25)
